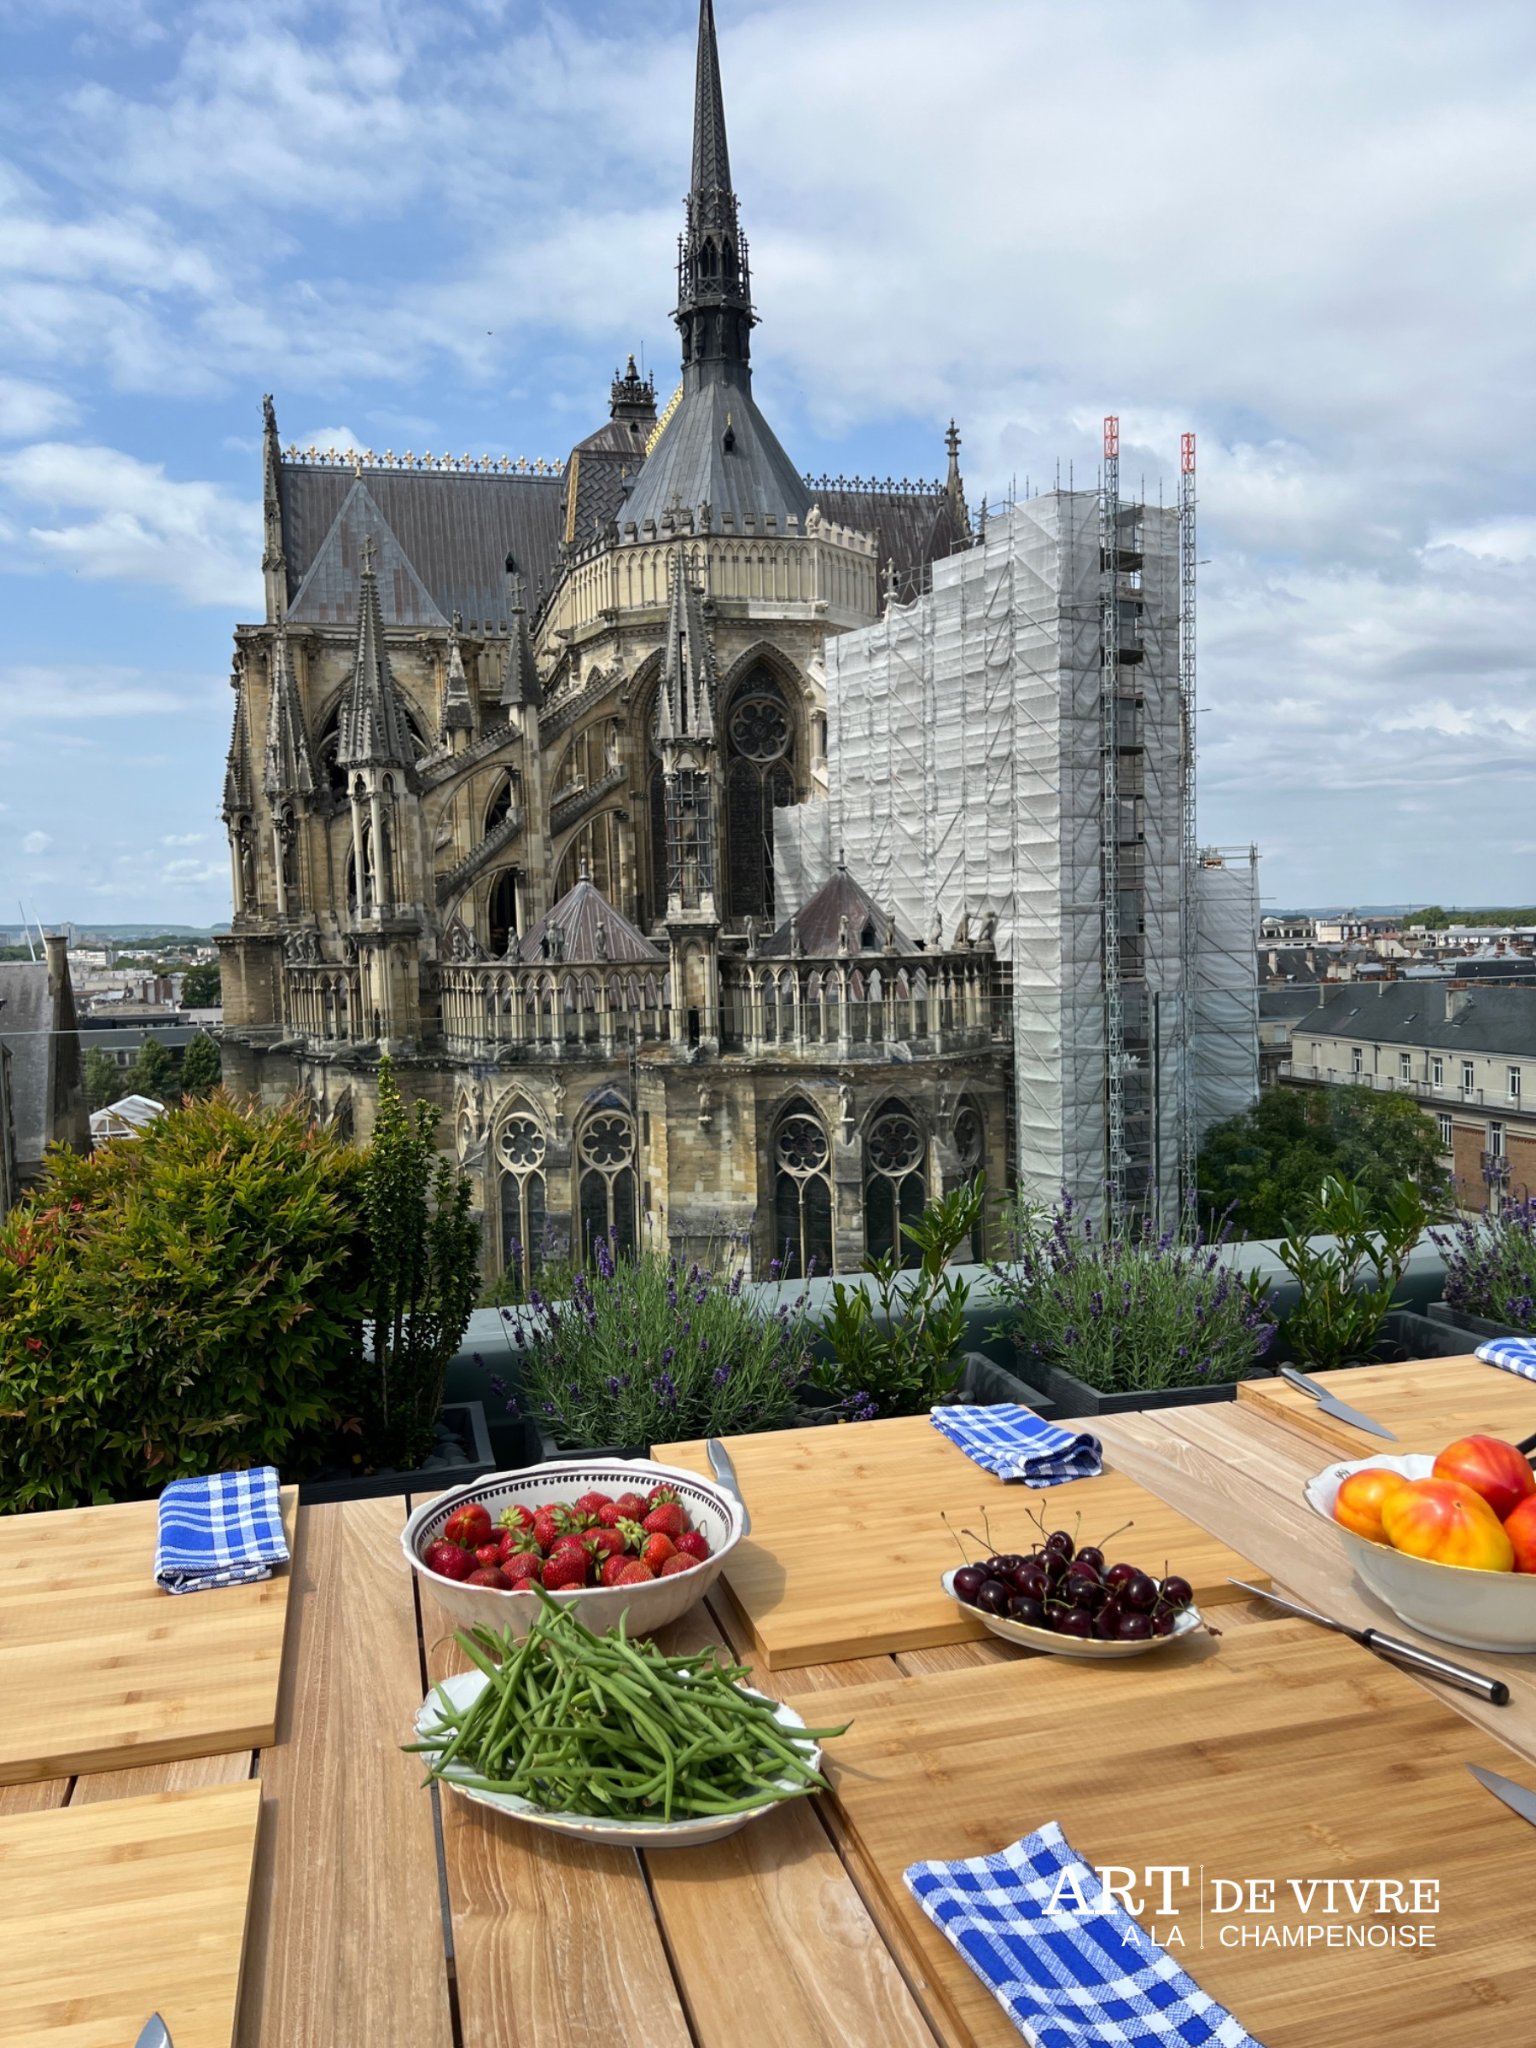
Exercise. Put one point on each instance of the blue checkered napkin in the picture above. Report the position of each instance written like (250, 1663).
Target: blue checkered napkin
(1067, 1979)
(1511, 1354)
(1016, 1443)
(224, 1530)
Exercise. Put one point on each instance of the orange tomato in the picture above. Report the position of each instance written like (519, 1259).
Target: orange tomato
(1448, 1524)
(1491, 1467)
(1359, 1500)
(1520, 1528)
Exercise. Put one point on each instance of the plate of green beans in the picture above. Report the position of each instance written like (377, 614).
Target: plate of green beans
(609, 1740)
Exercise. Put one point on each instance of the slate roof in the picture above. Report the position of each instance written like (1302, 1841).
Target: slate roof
(576, 918)
(911, 528)
(26, 1018)
(692, 464)
(820, 923)
(455, 527)
(1497, 1021)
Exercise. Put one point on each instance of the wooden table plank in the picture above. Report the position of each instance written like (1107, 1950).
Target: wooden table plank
(1427, 1403)
(807, 1964)
(848, 1546)
(346, 1947)
(101, 1670)
(555, 1941)
(1283, 1752)
(112, 1911)
(1242, 1474)
(189, 1775)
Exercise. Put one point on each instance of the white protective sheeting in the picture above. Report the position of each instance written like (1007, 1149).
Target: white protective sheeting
(965, 769)
(1226, 990)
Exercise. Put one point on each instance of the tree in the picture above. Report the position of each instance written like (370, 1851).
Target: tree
(1267, 1164)
(105, 1081)
(153, 1073)
(200, 987)
(201, 1066)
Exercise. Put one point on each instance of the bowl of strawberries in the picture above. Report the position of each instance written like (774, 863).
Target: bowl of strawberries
(611, 1536)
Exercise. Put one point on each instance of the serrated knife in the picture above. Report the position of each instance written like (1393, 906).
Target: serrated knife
(1518, 1798)
(1330, 1404)
(153, 2034)
(720, 1464)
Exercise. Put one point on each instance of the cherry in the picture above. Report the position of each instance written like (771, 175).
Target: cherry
(1060, 1542)
(1034, 1580)
(1028, 1610)
(1091, 1554)
(969, 1581)
(1164, 1622)
(1179, 1592)
(1008, 1565)
(1106, 1622)
(1073, 1621)
(1139, 1592)
(993, 1595)
(1119, 1573)
(1134, 1628)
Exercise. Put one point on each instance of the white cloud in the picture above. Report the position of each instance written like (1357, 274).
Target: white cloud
(82, 692)
(36, 842)
(32, 408)
(332, 437)
(140, 525)
(184, 838)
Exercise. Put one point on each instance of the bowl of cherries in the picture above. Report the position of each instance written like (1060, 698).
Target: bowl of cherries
(1073, 1603)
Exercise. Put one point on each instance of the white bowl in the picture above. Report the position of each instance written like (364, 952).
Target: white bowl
(1091, 1647)
(1451, 1602)
(467, 1686)
(713, 1510)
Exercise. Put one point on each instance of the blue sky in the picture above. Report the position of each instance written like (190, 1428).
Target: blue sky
(1306, 233)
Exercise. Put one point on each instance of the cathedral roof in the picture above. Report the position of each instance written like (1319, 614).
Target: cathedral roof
(819, 926)
(911, 526)
(328, 594)
(584, 926)
(455, 529)
(718, 449)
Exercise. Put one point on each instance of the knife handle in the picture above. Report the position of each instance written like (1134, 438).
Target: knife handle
(1412, 1658)
(1299, 1379)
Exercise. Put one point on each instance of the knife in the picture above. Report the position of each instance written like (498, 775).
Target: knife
(725, 1472)
(1493, 1690)
(1517, 1797)
(1332, 1405)
(153, 2034)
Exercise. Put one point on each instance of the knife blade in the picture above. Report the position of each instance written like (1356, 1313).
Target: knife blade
(1518, 1798)
(153, 2034)
(1330, 1404)
(725, 1472)
(1409, 1655)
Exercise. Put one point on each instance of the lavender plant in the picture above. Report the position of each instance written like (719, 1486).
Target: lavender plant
(1490, 1265)
(1128, 1309)
(653, 1349)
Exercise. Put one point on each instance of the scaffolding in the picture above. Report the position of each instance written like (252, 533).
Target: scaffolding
(1189, 1124)
(1016, 744)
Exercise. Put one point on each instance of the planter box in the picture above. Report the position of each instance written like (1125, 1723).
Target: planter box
(1073, 1397)
(1477, 1327)
(466, 1453)
(1406, 1335)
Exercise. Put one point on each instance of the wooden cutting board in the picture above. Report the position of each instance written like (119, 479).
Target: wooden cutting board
(847, 1547)
(1428, 1403)
(111, 1912)
(101, 1670)
(1284, 1753)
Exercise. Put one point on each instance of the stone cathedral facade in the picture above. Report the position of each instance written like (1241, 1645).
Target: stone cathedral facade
(508, 750)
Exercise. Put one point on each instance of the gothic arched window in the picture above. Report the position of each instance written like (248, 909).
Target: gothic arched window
(605, 1148)
(500, 805)
(759, 739)
(895, 1185)
(501, 913)
(802, 1194)
(969, 1143)
(520, 1162)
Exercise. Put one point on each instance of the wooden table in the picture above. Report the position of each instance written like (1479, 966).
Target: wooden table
(385, 1918)
(1426, 1403)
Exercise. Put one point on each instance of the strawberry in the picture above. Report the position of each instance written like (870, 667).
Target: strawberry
(515, 1517)
(612, 1567)
(575, 1544)
(488, 1577)
(631, 1505)
(665, 1519)
(633, 1534)
(658, 1549)
(448, 1560)
(634, 1574)
(548, 1523)
(565, 1569)
(524, 1568)
(604, 1542)
(663, 1496)
(470, 1526)
(678, 1562)
(609, 1517)
(488, 1556)
(519, 1543)
(593, 1504)
(693, 1543)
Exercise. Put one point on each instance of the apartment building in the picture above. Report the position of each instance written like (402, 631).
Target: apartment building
(1467, 1055)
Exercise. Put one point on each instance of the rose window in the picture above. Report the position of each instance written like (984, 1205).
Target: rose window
(760, 729)
(522, 1144)
(802, 1145)
(895, 1144)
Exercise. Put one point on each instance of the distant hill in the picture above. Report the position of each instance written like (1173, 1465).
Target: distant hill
(118, 934)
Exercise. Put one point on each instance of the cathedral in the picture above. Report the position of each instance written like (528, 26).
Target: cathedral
(509, 749)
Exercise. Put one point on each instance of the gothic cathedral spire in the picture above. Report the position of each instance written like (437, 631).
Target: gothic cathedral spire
(373, 732)
(714, 285)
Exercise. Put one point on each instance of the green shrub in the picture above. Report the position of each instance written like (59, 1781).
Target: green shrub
(1347, 1286)
(184, 1302)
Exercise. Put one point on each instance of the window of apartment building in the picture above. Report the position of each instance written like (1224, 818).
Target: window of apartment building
(1437, 1073)
(1405, 1066)
(1357, 1060)
(1468, 1075)
(1446, 1137)
(1514, 1084)
(1496, 1141)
